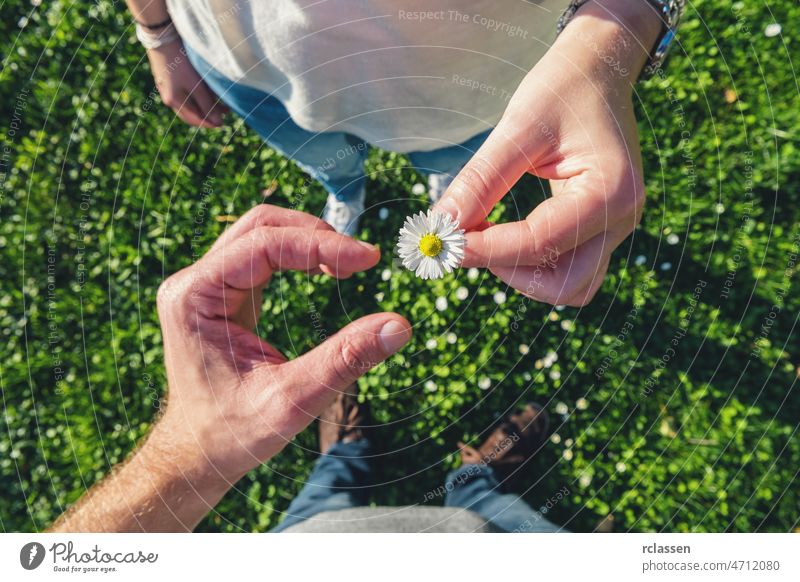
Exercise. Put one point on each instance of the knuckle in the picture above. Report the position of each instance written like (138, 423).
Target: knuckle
(639, 198)
(585, 296)
(473, 181)
(259, 213)
(349, 364)
(169, 99)
(169, 293)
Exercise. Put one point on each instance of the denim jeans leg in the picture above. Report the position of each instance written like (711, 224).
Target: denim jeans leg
(475, 487)
(335, 159)
(448, 159)
(341, 479)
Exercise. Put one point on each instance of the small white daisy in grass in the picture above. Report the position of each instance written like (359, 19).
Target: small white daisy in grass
(431, 244)
(484, 383)
(462, 293)
(441, 303)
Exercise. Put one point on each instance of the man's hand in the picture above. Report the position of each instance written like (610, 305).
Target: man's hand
(182, 89)
(232, 394)
(234, 400)
(571, 121)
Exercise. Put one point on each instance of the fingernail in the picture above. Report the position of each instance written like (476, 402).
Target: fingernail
(448, 206)
(366, 245)
(394, 335)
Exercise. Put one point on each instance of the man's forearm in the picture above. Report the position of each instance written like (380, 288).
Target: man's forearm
(162, 487)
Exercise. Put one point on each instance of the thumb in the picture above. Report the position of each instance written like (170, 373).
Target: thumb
(487, 177)
(343, 358)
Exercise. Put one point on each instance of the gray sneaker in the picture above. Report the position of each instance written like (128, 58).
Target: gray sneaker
(344, 216)
(439, 183)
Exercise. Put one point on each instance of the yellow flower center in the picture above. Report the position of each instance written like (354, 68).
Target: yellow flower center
(430, 245)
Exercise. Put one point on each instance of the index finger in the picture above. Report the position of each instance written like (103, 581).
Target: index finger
(487, 177)
(249, 261)
(268, 215)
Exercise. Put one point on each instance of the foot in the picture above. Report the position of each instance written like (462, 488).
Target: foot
(343, 216)
(343, 420)
(513, 442)
(439, 183)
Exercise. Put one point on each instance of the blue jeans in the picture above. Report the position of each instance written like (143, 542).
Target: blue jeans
(341, 480)
(334, 159)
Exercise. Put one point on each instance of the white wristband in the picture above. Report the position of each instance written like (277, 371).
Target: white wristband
(153, 40)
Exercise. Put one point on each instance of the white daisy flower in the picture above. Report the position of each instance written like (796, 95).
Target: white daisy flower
(500, 297)
(581, 404)
(452, 338)
(673, 239)
(473, 274)
(418, 189)
(484, 383)
(441, 303)
(772, 30)
(386, 274)
(555, 438)
(567, 454)
(430, 386)
(462, 293)
(431, 344)
(620, 467)
(561, 408)
(524, 349)
(431, 244)
(585, 480)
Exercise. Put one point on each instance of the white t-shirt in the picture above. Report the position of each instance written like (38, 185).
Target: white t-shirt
(404, 75)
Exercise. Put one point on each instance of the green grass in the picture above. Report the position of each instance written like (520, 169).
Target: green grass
(101, 180)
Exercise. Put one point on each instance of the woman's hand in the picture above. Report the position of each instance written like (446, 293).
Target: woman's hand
(571, 121)
(182, 89)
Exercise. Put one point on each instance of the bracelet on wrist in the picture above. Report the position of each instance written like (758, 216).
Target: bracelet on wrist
(156, 26)
(154, 40)
(670, 12)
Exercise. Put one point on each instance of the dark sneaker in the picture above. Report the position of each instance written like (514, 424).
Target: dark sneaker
(343, 420)
(512, 442)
